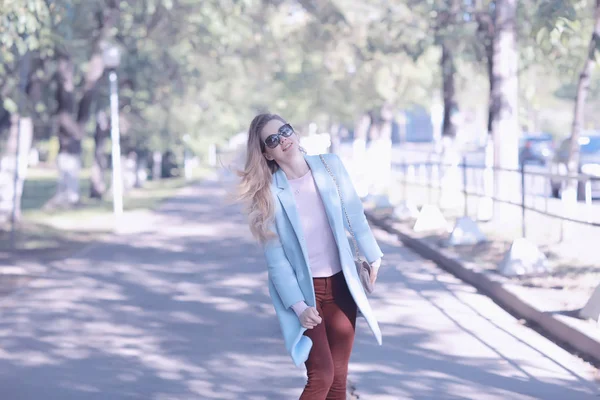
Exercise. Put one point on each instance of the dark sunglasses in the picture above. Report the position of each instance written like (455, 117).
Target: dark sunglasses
(273, 141)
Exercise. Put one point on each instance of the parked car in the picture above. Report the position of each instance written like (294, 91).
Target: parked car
(589, 164)
(536, 149)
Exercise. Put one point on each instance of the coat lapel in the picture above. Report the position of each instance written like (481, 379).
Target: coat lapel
(328, 192)
(326, 189)
(288, 203)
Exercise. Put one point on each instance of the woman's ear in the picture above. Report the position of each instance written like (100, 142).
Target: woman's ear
(268, 156)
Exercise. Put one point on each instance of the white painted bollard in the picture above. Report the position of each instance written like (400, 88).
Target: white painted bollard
(591, 309)
(430, 219)
(212, 154)
(382, 202)
(465, 232)
(405, 211)
(523, 258)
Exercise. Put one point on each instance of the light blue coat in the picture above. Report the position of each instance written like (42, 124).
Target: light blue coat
(290, 279)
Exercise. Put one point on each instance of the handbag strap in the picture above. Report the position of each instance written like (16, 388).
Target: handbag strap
(337, 186)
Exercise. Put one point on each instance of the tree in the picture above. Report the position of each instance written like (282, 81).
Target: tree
(583, 87)
(505, 91)
(73, 115)
(484, 15)
(416, 28)
(446, 36)
(23, 35)
(560, 34)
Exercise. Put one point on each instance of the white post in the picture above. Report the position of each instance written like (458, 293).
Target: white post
(15, 205)
(588, 199)
(437, 118)
(212, 154)
(187, 165)
(485, 208)
(117, 181)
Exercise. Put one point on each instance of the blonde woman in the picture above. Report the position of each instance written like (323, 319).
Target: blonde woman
(295, 211)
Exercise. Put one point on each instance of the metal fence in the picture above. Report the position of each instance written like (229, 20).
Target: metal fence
(481, 182)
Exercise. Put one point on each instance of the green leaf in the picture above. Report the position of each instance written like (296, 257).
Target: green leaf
(10, 105)
(541, 35)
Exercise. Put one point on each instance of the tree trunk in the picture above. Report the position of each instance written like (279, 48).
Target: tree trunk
(449, 91)
(71, 128)
(157, 165)
(69, 137)
(450, 156)
(505, 96)
(35, 85)
(334, 132)
(489, 50)
(94, 73)
(107, 19)
(583, 87)
(15, 160)
(98, 184)
(12, 161)
(486, 29)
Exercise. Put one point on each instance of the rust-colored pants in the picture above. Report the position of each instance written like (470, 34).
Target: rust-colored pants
(327, 363)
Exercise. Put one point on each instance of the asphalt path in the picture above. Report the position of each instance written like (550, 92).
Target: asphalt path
(181, 311)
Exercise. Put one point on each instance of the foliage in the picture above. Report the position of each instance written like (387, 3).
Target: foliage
(204, 68)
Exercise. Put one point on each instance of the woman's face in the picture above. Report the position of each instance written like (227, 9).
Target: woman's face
(287, 145)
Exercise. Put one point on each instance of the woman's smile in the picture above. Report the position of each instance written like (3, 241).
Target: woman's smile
(287, 146)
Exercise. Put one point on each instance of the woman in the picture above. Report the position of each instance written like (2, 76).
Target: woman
(295, 211)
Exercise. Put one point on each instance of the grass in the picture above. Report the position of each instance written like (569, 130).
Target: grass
(47, 233)
(40, 186)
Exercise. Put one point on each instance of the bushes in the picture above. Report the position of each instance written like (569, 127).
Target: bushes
(49, 148)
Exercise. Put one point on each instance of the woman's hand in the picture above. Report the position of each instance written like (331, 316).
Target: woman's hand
(375, 270)
(310, 318)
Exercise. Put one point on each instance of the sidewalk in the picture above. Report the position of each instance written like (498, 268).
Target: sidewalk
(444, 340)
(181, 310)
(550, 301)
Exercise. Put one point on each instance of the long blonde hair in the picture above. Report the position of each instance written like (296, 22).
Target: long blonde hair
(254, 188)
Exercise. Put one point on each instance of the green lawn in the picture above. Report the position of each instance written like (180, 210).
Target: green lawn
(42, 229)
(40, 186)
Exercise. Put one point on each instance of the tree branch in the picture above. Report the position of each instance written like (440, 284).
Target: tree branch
(325, 11)
(107, 20)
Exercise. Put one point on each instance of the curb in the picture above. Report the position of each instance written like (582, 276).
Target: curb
(553, 328)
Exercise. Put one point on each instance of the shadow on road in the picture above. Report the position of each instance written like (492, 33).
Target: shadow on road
(182, 311)
(443, 340)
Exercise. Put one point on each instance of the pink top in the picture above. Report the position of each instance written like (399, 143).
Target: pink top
(323, 255)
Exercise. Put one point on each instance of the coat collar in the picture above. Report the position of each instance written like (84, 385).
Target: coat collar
(325, 187)
(288, 202)
(280, 180)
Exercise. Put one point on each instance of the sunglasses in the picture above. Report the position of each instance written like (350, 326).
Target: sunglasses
(273, 141)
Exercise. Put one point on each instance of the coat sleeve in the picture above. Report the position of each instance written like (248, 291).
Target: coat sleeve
(281, 273)
(364, 236)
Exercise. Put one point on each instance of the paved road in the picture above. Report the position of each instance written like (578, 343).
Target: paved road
(181, 311)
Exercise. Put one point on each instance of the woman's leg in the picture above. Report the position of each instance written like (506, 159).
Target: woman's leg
(319, 365)
(340, 321)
